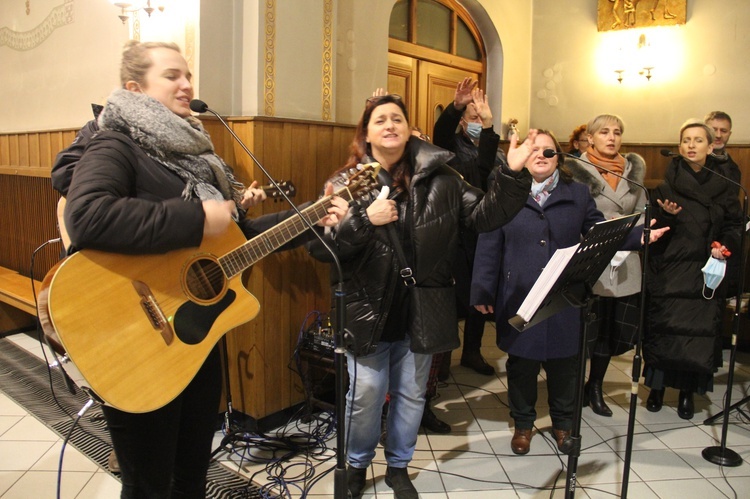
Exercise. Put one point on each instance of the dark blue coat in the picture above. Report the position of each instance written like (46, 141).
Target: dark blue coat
(509, 260)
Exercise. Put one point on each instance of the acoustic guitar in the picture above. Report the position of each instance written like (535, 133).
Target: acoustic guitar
(42, 309)
(138, 327)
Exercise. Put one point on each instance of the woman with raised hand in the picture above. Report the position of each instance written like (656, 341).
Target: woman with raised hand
(397, 250)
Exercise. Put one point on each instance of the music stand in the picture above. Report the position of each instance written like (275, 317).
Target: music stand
(573, 288)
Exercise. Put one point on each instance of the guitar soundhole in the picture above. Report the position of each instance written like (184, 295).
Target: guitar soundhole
(205, 280)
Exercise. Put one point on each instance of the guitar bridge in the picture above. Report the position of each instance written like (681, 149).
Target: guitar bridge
(153, 312)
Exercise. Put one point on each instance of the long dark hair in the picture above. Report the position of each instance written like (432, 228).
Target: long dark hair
(359, 149)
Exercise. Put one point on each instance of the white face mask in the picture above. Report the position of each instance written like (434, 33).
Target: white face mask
(713, 274)
(473, 130)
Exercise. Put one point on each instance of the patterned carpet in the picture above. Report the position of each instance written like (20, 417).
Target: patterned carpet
(25, 379)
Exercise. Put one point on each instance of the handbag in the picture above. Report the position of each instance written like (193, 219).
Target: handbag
(433, 326)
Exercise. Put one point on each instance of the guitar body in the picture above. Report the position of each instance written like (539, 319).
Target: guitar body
(138, 327)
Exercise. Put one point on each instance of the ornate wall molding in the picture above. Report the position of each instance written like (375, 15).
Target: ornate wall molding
(327, 58)
(27, 40)
(269, 68)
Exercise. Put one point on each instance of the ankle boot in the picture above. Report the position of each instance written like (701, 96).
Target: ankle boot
(685, 406)
(655, 400)
(597, 400)
(592, 392)
(356, 479)
(431, 422)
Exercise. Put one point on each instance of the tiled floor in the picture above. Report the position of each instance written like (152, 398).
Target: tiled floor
(472, 462)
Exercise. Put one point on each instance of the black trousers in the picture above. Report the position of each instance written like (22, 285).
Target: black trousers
(522, 390)
(165, 453)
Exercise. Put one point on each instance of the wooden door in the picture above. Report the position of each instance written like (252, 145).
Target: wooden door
(436, 88)
(426, 87)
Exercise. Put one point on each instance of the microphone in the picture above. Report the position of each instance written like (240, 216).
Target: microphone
(198, 106)
(551, 153)
(670, 154)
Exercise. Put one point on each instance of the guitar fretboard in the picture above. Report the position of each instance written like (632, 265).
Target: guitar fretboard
(262, 245)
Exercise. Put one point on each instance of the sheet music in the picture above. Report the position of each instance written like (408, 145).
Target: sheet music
(546, 280)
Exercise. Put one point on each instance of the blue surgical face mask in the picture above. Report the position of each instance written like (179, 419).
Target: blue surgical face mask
(713, 273)
(473, 130)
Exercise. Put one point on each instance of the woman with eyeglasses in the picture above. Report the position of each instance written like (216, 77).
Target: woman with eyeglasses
(579, 141)
(618, 307)
(395, 323)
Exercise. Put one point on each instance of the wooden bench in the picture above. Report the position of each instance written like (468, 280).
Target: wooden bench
(17, 307)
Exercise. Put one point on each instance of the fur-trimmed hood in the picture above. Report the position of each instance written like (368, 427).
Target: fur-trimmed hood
(583, 173)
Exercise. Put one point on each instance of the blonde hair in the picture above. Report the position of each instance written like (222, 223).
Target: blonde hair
(695, 123)
(597, 123)
(136, 61)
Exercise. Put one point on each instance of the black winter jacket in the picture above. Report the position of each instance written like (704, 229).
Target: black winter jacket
(441, 202)
(120, 200)
(683, 328)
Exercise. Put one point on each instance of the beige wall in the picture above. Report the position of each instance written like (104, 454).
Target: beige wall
(700, 66)
(52, 82)
(555, 75)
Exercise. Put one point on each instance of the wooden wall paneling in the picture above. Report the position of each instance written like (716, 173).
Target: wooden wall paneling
(5, 150)
(34, 153)
(46, 156)
(23, 150)
(13, 150)
(28, 224)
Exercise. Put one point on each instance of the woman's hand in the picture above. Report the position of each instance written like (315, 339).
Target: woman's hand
(719, 251)
(463, 97)
(336, 212)
(383, 210)
(654, 234)
(218, 216)
(669, 206)
(483, 107)
(485, 309)
(517, 155)
(253, 196)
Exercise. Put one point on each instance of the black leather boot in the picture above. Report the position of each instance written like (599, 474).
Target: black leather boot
(356, 479)
(398, 479)
(655, 400)
(431, 422)
(592, 393)
(685, 406)
(598, 405)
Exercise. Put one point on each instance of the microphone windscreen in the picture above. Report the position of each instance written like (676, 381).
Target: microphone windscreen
(198, 106)
(666, 152)
(549, 153)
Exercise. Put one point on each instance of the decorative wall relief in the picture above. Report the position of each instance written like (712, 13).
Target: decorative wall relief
(27, 40)
(626, 14)
(327, 58)
(269, 68)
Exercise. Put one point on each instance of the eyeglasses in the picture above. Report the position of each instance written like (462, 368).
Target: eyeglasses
(377, 98)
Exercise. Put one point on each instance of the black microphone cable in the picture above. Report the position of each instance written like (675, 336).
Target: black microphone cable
(340, 484)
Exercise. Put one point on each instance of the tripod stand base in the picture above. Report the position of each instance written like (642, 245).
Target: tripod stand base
(721, 456)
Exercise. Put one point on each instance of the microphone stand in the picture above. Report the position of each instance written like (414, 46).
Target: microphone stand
(636, 370)
(340, 488)
(720, 454)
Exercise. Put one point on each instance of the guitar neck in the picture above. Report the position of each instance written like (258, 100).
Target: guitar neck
(262, 245)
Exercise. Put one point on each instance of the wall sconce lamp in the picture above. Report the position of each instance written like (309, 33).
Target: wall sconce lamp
(127, 8)
(641, 58)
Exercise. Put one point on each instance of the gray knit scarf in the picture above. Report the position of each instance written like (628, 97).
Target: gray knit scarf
(180, 144)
